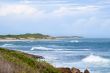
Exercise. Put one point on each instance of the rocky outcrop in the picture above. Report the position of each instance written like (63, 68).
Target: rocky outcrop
(34, 56)
(75, 70)
(64, 70)
(86, 71)
(72, 70)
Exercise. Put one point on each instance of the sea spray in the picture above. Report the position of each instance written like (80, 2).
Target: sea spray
(96, 60)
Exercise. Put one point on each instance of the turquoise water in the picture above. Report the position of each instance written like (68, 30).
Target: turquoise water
(81, 53)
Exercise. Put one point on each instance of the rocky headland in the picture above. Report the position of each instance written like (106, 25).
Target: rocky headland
(12, 61)
(72, 70)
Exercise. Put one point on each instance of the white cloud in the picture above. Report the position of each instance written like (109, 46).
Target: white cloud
(66, 10)
(25, 1)
(18, 9)
(104, 2)
(44, 1)
(29, 9)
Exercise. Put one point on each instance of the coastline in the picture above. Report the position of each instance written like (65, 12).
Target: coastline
(60, 69)
(6, 40)
(12, 61)
(23, 56)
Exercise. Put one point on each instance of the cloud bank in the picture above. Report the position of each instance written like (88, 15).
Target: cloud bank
(56, 17)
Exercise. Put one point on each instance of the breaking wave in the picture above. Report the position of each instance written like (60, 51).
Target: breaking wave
(56, 49)
(48, 49)
(74, 41)
(8, 45)
(81, 49)
(96, 60)
(40, 48)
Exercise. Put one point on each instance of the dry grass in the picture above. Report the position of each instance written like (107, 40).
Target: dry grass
(18, 62)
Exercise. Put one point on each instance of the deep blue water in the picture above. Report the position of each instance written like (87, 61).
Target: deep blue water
(81, 53)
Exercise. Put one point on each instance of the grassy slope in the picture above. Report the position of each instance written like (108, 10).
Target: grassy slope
(26, 36)
(18, 62)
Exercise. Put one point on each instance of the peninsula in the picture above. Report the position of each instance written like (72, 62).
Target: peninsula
(35, 36)
(27, 36)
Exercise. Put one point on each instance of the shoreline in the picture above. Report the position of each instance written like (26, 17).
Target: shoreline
(31, 58)
(5, 40)
(61, 69)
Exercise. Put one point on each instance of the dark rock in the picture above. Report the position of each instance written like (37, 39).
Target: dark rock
(72, 70)
(75, 70)
(64, 70)
(34, 56)
(86, 71)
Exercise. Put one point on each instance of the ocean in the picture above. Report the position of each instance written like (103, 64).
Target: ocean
(91, 53)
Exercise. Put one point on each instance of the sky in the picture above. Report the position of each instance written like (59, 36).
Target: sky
(87, 18)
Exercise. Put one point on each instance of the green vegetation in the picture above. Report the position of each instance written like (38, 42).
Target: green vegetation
(17, 62)
(26, 36)
(34, 37)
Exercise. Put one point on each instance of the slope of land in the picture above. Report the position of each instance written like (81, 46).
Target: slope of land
(25, 36)
(17, 62)
(12, 61)
(29, 36)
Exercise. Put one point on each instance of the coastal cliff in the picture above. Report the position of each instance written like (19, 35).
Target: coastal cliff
(71, 70)
(12, 61)
(17, 62)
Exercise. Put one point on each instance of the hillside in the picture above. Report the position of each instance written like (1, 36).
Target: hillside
(17, 62)
(25, 36)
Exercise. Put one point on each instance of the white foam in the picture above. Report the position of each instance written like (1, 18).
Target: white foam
(8, 45)
(48, 49)
(96, 60)
(82, 49)
(57, 49)
(40, 48)
(74, 41)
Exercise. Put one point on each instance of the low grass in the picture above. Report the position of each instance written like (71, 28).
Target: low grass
(17, 62)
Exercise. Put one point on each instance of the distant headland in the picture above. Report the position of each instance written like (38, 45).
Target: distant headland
(27, 36)
(35, 36)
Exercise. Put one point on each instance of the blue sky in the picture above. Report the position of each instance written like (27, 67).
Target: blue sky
(88, 18)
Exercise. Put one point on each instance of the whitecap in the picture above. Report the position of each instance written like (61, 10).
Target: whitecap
(96, 60)
(81, 49)
(40, 48)
(56, 49)
(7, 45)
(47, 49)
(74, 41)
